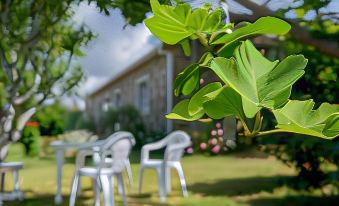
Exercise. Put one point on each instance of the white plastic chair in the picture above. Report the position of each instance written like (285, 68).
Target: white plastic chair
(16, 193)
(175, 144)
(87, 150)
(118, 146)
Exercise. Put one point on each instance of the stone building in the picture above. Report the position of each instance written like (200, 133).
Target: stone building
(147, 84)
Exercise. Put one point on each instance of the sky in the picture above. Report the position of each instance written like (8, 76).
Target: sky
(114, 48)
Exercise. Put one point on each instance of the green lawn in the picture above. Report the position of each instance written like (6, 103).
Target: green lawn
(234, 179)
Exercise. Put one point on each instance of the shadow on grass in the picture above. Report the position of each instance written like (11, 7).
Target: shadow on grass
(296, 201)
(238, 186)
(45, 200)
(83, 200)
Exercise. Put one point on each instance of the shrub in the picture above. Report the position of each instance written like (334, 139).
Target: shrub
(126, 118)
(51, 119)
(31, 139)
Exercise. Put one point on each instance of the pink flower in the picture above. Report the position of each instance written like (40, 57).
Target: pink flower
(202, 81)
(216, 149)
(189, 150)
(218, 125)
(214, 141)
(214, 132)
(203, 146)
(220, 132)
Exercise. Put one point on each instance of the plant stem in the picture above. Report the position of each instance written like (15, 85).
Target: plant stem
(246, 130)
(202, 39)
(268, 132)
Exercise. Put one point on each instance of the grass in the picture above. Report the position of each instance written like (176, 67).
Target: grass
(231, 180)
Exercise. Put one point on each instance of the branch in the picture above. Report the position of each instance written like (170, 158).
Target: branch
(23, 118)
(7, 67)
(21, 99)
(301, 34)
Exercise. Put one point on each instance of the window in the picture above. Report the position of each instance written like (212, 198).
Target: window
(117, 99)
(143, 95)
(106, 105)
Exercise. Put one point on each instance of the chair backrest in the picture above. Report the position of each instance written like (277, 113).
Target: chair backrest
(110, 140)
(177, 141)
(119, 146)
(120, 151)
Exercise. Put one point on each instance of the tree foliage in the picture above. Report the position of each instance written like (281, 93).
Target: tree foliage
(38, 44)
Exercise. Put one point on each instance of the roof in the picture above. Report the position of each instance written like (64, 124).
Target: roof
(133, 66)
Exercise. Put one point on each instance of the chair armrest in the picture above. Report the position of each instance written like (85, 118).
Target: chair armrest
(90, 145)
(150, 147)
(81, 156)
(88, 150)
(172, 148)
(155, 145)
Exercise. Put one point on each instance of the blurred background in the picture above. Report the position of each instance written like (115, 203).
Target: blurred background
(92, 68)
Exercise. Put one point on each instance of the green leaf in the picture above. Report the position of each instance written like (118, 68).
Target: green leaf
(250, 109)
(187, 80)
(299, 117)
(180, 112)
(169, 23)
(228, 51)
(299, 12)
(186, 47)
(264, 25)
(173, 24)
(191, 84)
(213, 21)
(260, 81)
(205, 59)
(222, 103)
(331, 128)
(195, 104)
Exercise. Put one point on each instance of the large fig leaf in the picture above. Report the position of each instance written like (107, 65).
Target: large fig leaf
(197, 100)
(222, 103)
(299, 117)
(261, 82)
(180, 112)
(264, 25)
(173, 24)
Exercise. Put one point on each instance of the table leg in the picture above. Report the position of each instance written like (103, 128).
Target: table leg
(60, 162)
(2, 182)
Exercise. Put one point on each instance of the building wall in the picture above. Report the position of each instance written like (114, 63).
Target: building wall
(153, 74)
(153, 70)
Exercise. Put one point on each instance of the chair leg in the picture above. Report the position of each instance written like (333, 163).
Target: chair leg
(107, 188)
(119, 185)
(182, 179)
(168, 180)
(16, 182)
(141, 175)
(129, 173)
(161, 184)
(96, 187)
(2, 185)
(2, 181)
(122, 187)
(74, 189)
